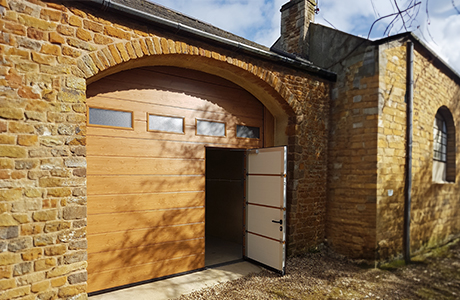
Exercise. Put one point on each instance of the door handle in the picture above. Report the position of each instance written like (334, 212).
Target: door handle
(278, 222)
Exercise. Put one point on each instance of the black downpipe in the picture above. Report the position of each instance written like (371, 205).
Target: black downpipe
(409, 128)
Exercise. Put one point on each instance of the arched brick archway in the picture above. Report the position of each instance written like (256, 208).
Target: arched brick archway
(112, 58)
(263, 83)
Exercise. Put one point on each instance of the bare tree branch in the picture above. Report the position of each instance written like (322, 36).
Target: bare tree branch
(391, 2)
(375, 10)
(400, 14)
(396, 15)
(390, 26)
(453, 4)
(428, 21)
(413, 17)
(427, 13)
(329, 23)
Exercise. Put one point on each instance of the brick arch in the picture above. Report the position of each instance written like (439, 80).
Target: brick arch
(156, 51)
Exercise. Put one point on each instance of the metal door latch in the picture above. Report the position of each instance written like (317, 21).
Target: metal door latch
(278, 222)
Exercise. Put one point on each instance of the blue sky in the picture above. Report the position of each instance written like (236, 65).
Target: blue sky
(259, 20)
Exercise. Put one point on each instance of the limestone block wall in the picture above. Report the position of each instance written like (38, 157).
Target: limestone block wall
(42, 157)
(435, 216)
(352, 166)
(352, 154)
(391, 149)
(367, 145)
(49, 51)
(307, 166)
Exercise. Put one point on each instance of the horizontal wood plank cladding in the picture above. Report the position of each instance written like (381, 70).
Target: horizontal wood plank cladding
(122, 276)
(146, 189)
(124, 258)
(202, 95)
(139, 202)
(98, 165)
(163, 102)
(121, 222)
(110, 241)
(115, 146)
(104, 185)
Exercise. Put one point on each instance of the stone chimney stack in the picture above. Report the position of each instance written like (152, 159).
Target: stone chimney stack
(296, 16)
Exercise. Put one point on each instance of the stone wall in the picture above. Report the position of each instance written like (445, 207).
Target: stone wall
(352, 168)
(307, 166)
(352, 156)
(391, 150)
(49, 52)
(367, 145)
(435, 206)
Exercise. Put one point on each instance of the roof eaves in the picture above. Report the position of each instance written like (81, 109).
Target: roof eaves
(179, 28)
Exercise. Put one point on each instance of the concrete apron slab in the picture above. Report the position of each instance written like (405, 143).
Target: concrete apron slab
(175, 287)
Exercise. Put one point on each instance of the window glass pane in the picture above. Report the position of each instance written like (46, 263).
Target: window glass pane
(440, 124)
(210, 128)
(437, 148)
(247, 132)
(108, 117)
(439, 139)
(168, 124)
(437, 155)
(444, 139)
(437, 123)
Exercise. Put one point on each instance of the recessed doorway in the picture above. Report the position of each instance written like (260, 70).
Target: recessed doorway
(224, 205)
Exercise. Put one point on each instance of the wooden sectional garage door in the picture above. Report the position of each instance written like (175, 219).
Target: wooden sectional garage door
(146, 186)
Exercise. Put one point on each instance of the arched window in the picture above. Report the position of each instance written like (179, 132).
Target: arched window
(440, 139)
(443, 146)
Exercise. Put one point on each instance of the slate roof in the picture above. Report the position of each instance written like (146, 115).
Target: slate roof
(179, 23)
(172, 15)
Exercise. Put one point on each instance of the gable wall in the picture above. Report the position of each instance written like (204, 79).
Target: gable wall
(367, 147)
(434, 213)
(48, 54)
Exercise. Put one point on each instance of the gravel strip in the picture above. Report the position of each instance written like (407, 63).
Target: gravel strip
(433, 275)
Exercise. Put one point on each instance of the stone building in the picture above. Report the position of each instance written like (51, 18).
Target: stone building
(367, 147)
(115, 116)
(124, 127)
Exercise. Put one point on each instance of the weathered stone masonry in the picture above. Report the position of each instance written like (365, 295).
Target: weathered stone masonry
(435, 206)
(367, 145)
(49, 52)
(352, 151)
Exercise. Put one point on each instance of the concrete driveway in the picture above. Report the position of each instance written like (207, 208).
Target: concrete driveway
(175, 287)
